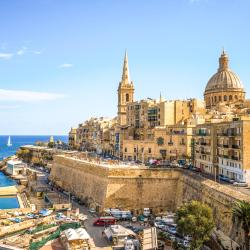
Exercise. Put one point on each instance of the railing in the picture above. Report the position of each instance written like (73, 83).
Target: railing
(236, 158)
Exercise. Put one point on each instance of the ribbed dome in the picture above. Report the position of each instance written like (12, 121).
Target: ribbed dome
(224, 79)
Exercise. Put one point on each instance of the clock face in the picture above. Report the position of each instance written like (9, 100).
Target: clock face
(160, 141)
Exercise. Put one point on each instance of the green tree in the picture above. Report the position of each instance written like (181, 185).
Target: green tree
(51, 144)
(195, 219)
(24, 154)
(241, 212)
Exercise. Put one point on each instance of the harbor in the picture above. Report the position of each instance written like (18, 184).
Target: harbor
(8, 193)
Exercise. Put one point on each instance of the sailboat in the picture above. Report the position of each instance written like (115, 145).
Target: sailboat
(9, 144)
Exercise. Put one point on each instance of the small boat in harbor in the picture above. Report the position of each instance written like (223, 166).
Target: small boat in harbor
(9, 144)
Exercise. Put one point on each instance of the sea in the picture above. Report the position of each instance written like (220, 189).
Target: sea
(6, 151)
(20, 140)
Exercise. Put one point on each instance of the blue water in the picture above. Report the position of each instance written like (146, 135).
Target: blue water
(6, 181)
(9, 202)
(17, 141)
(20, 140)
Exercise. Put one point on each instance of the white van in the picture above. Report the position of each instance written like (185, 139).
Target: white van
(146, 212)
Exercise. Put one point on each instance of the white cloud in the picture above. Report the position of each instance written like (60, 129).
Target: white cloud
(21, 51)
(66, 65)
(6, 56)
(27, 96)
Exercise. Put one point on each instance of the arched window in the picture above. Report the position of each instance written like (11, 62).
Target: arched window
(127, 97)
(225, 98)
(230, 98)
(219, 98)
(215, 98)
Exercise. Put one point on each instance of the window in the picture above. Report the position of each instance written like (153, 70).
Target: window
(134, 150)
(219, 98)
(215, 98)
(125, 150)
(225, 98)
(149, 150)
(127, 97)
(230, 98)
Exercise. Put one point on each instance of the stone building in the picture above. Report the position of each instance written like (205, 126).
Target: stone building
(171, 142)
(92, 134)
(72, 138)
(233, 149)
(223, 148)
(224, 86)
(205, 147)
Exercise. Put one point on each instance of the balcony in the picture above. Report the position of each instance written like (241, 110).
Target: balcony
(236, 158)
(203, 143)
(202, 133)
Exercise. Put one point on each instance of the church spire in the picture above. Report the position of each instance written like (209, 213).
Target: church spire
(125, 72)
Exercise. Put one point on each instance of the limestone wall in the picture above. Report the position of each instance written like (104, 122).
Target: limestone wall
(219, 197)
(135, 189)
(87, 181)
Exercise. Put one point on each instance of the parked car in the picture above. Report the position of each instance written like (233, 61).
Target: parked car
(92, 210)
(104, 221)
(240, 184)
(171, 230)
(224, 178)
(146, 212)
(159, 224)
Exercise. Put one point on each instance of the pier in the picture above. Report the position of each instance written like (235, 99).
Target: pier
(8, 191)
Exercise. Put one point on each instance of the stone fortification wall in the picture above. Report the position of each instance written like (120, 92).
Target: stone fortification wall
(87, 181)
(137, 188)
(128, 188)
(219, 197)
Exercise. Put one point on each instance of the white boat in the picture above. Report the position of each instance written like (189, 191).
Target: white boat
(9, 144)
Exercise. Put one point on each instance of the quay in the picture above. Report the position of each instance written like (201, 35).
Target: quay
(8, 191)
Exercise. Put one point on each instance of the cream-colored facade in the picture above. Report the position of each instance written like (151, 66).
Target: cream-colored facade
(223, 148)
(92, 134)
(168, 143)
(233, 149)
(205, 147)
(72, 138)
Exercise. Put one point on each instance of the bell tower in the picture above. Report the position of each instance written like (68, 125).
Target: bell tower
(125, 92)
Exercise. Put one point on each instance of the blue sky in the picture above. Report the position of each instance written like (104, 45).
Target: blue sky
(61, 60)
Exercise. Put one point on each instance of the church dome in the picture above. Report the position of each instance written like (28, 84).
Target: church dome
(224, 79)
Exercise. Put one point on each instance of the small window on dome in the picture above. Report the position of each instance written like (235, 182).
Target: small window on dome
(225, 98)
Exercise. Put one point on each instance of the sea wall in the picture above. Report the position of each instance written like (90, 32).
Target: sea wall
(137, 188)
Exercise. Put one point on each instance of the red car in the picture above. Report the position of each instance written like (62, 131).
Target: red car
(105, 221)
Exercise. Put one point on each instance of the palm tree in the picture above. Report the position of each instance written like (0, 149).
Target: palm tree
(241, 212)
